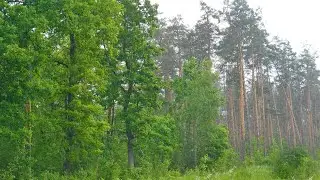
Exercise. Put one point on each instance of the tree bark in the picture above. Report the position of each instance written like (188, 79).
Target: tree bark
(254, 104)
(310, 120)
(277, 118)
(232, 130)
(291, 116)
(129, 133)
(241, 102)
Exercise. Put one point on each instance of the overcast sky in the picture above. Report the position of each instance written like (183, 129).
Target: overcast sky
(294, 20)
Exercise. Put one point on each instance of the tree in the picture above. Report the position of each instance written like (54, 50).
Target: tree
(172, 38)
(197, 108)
(206, 32)
(21, 53)
(285, 64)
(77, 31)
(238, 37)
(138, 83)
(307, 70)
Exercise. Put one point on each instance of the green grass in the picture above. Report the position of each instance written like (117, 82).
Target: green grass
(241, 173)
(249, 173)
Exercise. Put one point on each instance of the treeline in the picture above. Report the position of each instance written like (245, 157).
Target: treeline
(271, 92)
(103, 89)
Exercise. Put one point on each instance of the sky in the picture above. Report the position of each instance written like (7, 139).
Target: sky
(294, 20)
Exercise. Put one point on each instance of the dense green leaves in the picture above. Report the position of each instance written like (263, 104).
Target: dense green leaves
(103, 89)
(196, 110)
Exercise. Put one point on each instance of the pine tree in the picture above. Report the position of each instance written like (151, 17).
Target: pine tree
(238, 38)
(308, 72)
(206, 32)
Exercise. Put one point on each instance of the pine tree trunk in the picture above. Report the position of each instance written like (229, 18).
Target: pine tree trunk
(301, 117)
(296, 128)
(262, 110)
(231, 118)
(269, 114)
(241, 103)
(291, 117)
(248, 129)
(277, 118)
(310, 120)
(254, 104)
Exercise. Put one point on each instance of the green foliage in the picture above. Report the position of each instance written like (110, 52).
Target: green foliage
(196, 109)
(37, 67)
(80, 90)
(136, 80)
(229, 159)
(242, 173)
(293, 163)
(251, 173)
(156, 139)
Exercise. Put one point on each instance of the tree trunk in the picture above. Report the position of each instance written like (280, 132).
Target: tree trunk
(277, 118)
(248, 129)
(254, 104)
(68, 166)
(264, 127)
(130, 151)
(310, 120)
(291, 117)
(111, 118)
(232, 130)
(269, 114)
(241, 103)
(129, 133)
(128, 121)
(301, 117)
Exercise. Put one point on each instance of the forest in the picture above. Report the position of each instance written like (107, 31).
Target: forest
(106, 89)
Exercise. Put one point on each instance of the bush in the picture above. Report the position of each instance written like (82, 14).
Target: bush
(291, 163)
(228, 160)
(308, 168)
(6, 175)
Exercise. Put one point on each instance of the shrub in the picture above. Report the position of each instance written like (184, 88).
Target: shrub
(229, 159)
(291, 163)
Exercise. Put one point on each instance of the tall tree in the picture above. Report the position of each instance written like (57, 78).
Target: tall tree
(196, 110)
(285, 65)
(307, 70)
(138, 51)
(206, 32)
(22, 50)
(172, 37)
(75, 31)
(243, 25)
